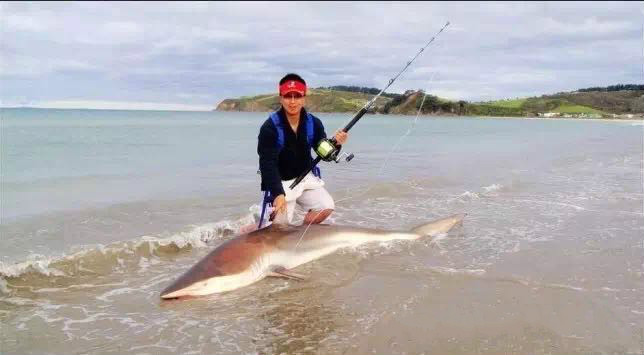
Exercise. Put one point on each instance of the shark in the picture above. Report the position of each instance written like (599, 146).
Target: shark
(274, 251)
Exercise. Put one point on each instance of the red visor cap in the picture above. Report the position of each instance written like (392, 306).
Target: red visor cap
(293, 86)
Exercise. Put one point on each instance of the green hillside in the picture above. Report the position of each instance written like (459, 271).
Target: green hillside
(594, 103)
(317, 100)
(582, 103)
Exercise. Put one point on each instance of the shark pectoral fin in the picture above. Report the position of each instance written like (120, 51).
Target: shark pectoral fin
(283, 272)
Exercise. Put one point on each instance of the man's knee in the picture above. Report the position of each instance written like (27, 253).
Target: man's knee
(317, 216)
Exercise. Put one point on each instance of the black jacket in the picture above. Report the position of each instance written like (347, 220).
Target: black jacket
(294, 158)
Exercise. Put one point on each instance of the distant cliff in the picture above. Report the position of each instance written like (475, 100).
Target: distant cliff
(582, 103)
(317, 100)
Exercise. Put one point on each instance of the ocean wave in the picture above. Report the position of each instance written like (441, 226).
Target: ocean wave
(492, 188)
(103, 259)
(467, 195)
(486, 191)
(3, 286)
(452, 271)
(535, 285)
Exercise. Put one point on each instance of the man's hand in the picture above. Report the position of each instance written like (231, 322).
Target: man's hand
(279, 206)
(341, 137)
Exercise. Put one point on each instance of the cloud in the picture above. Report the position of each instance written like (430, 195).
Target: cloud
(23, 66)
(198, 53)
(119, 105)
(22, 23)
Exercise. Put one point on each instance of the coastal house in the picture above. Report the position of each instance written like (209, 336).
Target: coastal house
(548, 114)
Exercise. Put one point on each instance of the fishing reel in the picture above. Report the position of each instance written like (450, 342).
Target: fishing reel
(328, 150)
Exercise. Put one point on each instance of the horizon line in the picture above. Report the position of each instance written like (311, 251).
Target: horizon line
(101, 109)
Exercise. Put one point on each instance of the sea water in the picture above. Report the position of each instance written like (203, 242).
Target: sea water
(101, 210)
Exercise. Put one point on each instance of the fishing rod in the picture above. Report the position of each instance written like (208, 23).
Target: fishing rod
(328, 149)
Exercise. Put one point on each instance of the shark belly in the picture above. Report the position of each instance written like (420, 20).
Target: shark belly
(308, 250)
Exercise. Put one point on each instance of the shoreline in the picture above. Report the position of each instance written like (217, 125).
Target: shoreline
(562, 118)
(477, 116)
(447, 115)
(533, 118)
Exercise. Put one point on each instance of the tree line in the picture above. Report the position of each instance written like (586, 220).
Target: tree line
(434, 104)
(618, 87)
(361, 89)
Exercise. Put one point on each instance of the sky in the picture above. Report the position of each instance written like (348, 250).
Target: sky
(192, 55)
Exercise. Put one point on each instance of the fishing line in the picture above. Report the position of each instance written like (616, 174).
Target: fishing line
(409, 130)
(327, 149)
(413, 125)
(400, 139)
(364, 109)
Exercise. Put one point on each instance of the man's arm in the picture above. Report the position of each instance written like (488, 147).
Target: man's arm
(268, 157)
(340, 136)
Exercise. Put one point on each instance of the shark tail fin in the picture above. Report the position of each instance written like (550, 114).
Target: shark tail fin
(439, 226)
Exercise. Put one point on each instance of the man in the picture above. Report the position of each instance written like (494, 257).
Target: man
(284, 148)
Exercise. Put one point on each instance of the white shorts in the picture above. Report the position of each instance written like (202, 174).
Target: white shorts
(309, 194)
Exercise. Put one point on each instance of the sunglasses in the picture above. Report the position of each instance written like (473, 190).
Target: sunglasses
(293, 95)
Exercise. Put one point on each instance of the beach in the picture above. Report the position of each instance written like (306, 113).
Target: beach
(102, 209)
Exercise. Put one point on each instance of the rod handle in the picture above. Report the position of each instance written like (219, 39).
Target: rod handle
(301, 177)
